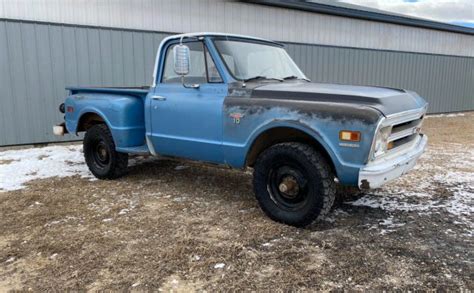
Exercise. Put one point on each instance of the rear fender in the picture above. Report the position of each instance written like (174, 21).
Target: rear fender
(123, 115)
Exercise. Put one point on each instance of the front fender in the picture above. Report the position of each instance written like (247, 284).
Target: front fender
(294, 124)
(236, 159)
(321, 121)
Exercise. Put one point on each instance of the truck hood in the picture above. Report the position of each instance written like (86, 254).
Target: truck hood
(386, 100)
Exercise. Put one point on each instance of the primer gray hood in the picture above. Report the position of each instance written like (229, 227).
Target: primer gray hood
(386, 100)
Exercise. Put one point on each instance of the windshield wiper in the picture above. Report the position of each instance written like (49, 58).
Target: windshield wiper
(294, 77)
(261, 77)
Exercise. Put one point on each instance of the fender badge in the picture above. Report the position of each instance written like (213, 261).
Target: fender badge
(349, 145)
(236, 117)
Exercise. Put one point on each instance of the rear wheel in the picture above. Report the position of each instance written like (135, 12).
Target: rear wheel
(100, 154)
(293, 184)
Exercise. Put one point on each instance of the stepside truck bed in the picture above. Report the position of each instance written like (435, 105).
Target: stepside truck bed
(133, 91)
(121, 108)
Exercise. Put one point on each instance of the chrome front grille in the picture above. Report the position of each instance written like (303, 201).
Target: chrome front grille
(405, 132)
(397, 133)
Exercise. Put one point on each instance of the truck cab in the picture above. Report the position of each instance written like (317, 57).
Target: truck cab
(242, 102)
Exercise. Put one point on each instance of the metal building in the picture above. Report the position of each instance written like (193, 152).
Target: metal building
(47, 45)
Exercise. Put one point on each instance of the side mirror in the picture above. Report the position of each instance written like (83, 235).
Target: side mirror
(182, 62)
(181, 58)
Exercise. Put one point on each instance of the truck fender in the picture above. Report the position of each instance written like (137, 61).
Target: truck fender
(86, 111)
(316, 139)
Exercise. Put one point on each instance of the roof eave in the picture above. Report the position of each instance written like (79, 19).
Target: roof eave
(363, 14)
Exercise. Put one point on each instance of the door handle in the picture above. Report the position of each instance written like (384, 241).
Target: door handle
(158, 98)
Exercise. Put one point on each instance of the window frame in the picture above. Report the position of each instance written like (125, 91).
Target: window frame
(205, 52)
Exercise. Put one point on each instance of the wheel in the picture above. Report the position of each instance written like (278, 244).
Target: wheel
(293, 184)
(100, 154)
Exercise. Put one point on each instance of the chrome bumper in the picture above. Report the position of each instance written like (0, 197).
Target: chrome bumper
(60, 129)
(376, 174)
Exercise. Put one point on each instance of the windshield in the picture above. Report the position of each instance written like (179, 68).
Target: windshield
(246, 60)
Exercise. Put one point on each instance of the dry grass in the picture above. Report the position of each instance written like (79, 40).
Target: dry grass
(165, 228)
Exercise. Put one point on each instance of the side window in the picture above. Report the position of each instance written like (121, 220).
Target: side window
(198, 71)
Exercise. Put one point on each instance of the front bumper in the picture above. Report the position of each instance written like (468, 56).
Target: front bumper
(376, 174)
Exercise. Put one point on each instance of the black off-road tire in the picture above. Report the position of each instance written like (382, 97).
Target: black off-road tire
(100, 154)
(315, 195)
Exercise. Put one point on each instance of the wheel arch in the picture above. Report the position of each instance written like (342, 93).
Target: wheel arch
(288, 133)
(88, 119)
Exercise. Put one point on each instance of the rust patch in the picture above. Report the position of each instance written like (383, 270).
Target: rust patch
(365, 184)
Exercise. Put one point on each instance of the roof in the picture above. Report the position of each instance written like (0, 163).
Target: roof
(196, 35)
(360, 12)
(213, 34)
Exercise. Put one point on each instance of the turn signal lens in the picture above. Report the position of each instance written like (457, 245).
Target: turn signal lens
(347, 135)
(390, 145)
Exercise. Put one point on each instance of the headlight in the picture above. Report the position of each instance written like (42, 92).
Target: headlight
(381, 141)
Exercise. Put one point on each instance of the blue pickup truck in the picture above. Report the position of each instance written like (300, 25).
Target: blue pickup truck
(242, 102)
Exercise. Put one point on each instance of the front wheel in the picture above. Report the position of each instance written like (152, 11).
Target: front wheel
(293, 184)
(100, 154)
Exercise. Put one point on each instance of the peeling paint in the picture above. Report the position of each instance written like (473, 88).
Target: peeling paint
(321, 119)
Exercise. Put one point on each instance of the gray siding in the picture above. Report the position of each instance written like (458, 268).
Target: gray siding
(231, 16)
(39, 60)
(446, 82)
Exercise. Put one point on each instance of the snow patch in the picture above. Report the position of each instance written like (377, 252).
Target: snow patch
(180, 167)
(446, 115)
(40, 163)
(447, 186)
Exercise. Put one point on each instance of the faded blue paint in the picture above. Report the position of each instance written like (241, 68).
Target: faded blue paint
(239, 138)
(188, 123)
(197, 123)
(124, 115)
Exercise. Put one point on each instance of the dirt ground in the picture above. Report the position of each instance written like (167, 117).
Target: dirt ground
(183, 226)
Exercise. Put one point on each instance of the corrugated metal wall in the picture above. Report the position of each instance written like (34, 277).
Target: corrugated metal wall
(446, 82)
(38, 60)
(237, 17)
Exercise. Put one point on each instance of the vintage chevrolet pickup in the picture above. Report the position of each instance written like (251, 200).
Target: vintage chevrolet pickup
(242, 102)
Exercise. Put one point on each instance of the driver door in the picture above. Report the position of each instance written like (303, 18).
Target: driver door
(187, 122)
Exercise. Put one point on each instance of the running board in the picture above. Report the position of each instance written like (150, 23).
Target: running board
(139, 150)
